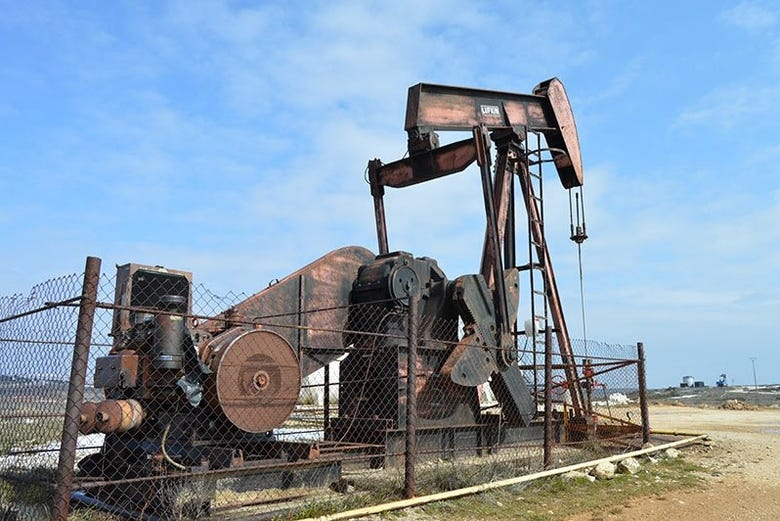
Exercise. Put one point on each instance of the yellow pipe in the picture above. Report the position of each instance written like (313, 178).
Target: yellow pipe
(406, 503)
(678, 433)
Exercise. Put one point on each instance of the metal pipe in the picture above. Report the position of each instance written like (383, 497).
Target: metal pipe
(643, 405)
(326, 398)
(680, 433)
(378, 192)
(534, 366)
(548, 435)
(89, 484)
(46, 305)
(78, 375)
(450, 494)
(610, 366)
(411, 401)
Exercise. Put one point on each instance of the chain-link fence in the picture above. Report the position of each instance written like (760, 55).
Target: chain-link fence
(177, 403)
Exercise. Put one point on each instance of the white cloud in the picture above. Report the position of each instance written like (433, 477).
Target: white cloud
(729, 106)
(750, 15)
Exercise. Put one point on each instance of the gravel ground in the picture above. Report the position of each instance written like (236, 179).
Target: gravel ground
(742, 459)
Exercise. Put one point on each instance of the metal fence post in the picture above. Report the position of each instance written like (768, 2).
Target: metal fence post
(411, 400)
(548, 435)
(78, 373)
(643, 407)
(326, 398)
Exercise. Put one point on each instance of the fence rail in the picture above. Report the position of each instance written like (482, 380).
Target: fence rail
(291, 411)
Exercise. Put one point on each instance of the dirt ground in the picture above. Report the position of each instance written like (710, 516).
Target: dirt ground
(742, 460)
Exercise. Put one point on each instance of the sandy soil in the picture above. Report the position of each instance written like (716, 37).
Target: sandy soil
(743, 461)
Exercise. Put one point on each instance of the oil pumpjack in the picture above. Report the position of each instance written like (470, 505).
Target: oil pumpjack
(184, 396)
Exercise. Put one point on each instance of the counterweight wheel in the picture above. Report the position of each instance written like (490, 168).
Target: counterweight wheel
(257, 378)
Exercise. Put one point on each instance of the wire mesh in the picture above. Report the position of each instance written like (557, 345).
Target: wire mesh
(194, 406)
(36, 345)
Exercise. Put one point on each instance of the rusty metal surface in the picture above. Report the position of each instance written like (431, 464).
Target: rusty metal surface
(441, 107)
(373, 374)
(425, 166)
(475, 357)
(78, 375)
(378, 192)
(87, 417)
(117, 370)
(568, 160)
(502, 191)
(297, 450)
(126, 274)
(118, 415)
(328, 452)
(469, 364)
(256, 378)
(275, 306)
(643, 405)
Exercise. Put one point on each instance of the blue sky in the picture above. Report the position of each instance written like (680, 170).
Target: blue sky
(230, 139)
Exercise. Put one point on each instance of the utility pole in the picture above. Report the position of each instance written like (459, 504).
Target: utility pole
(755, 382)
